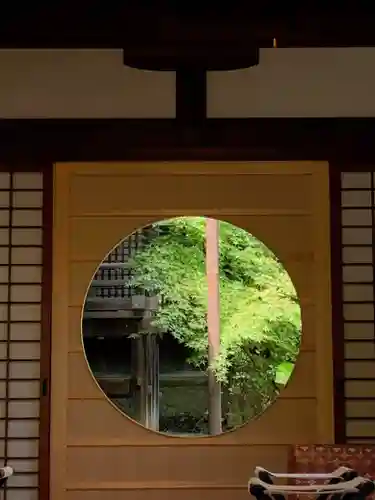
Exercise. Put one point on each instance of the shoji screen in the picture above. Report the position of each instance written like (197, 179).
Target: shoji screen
(21, 276)
(358, 271)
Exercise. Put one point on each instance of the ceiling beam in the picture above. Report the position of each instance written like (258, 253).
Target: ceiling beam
(155, 29)
(343, 140)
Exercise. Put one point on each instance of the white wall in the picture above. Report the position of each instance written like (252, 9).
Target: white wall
(81, 84)
(95, 84)
(297, 83)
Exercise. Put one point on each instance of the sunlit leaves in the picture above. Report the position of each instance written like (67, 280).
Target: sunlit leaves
(260, 315)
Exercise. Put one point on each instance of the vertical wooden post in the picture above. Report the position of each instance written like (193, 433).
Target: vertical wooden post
(191, 96)
(213, 323)
(148, 363)
(141, 381)
(151, 353)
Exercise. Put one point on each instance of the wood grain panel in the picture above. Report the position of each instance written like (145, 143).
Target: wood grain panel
(309, 326)
(111, 231)
(122, 195)
(278, 232)
(75, 329)
(180, 464)
(169, 491)
(212, 168)
(288, 420)
(280, 204)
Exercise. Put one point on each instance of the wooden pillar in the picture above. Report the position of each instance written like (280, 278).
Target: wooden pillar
(213, 323)
(191, 96)
(149, 358)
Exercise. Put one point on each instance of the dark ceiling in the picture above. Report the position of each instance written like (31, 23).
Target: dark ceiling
(154, 26)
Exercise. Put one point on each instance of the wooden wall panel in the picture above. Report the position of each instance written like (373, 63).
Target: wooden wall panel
(281, 239)
(297, 423)
(287, 206)
(185, 465)
(167, 491)
(286, 192)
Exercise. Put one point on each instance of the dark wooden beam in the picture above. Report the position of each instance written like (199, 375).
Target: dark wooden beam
(344, 141)
(338, 353)
(162, 27)
(191, 90)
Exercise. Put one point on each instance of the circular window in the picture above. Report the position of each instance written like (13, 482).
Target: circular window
(191, 326)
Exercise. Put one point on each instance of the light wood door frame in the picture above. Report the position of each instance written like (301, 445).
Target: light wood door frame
(61, 231)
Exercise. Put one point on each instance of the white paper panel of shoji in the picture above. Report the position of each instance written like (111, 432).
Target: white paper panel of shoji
(357, 215)
(21, 200)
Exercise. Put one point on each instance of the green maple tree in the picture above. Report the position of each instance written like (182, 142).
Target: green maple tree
(260, 318)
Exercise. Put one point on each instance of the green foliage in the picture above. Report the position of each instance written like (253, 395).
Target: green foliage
(283, 372)
(259, 311)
